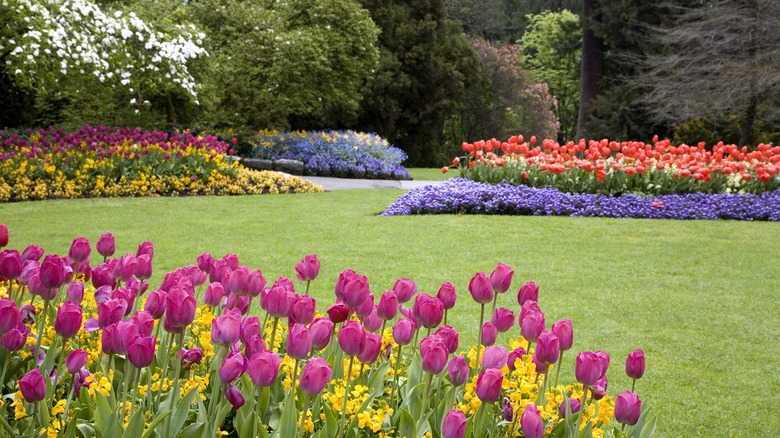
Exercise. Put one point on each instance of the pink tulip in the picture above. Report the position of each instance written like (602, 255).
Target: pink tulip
(280, 302)
(33, 386)
(204, 262)
(352, 338)
(481, 289)
(628, 408)
(226, 328)
(238, 281)
(501, 278)
(514, 355)
(403, 331)
(303, 310)
(635, 364)
(231, 260)
(254, 344)
(447, 295)
(365, 308)
(503, 319)
(372, 322)
(404, 289)
(574, 406)
(214, 294)
(127, 295)
(430, 310)
(539, 366)
(191, 357)
(233, 367)
(32, 252)
(547, 348)
(76, 292)
(371, 349)
(434, 354)
(458, 370)
(155, 303)
(143, 268)
(14, 339)
(256, 283)
(316, 374)
(532, 326)
(589, 368)
(529, 292)
(531, 422)
(342, 281)
(110, 312)
(263, 368)
(76, 361)
(388, 305)
(52, 272)
(494, 357)
(9, 315)
(356, 291)
(125, 268)
(219, 268)
(10, 265)
(529, 307)
(68, 320)
(489, 385)
(563, 330)
(298, 342)
(250, 326)
(3, 235)
(234, 396)
(103, 275)
(180, 309)
(338, 312)
(240, 303)
(507, 410)
(489, 333)
(145, 248)
(144, 321)
(599, 389)
(79, 250)
(450, 337)
(105, 245)
(141, 351)
(454, 425)
(308, 268)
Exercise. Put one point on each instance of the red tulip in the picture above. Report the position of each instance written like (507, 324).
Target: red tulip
(454, 425)
(3, 235)
(531, 422)
(481, 288)
(321, 330)
(10, 265)
(308, 268)
(316, 374)
(563, 330)
(501, 278)
(263, 368)
(68, 320)
(447, 295)
(404, 289)
(33, 386)
(298, 342)
(371, 349)
(226, 328)
(105, 245)
(489, 385)
(338, 312)
(628, 407)
(352, 338)
(489, 333)
(79, 250)
(635, 364)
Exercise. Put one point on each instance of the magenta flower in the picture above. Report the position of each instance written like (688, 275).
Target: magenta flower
(366, 307)
(308, 268)
(219, 269)
(10, 315)
(434, 354)
(234, 396)
(127, 295)
(52, 272)
(635, 364)
(204, 262)
(528, 292)
(141, 351)
(105, 245)
(321, 330)
(531, 422)
(574, 406)
(155, 303)
(250, 326)
(507, 410)
(532, 326)
(513, 356)
(256, 283)
(233, 301)
(226, 328)
(449, 335)
(254, 344)
(628, 407)
(489, 333)
(14, 339)
(454, 425)
(32, 252)
(404, 289)
(599, 389)
(589, 368)
(481, 289)
(315, 376)
(143, 267)
(356, 291)
(501, 278)
(3, 235)
(352, 337)
(191, 357)
(180, 308)
(494, 357)
(547, 348)
(233, 367)
(371, 349)
(338, 312)
(214, 294)
(403, 331)
(563, 330)
(76, 292)
(103, 275)
(111, 311)
(503, 319)
(372, 322)
(76, 361)
(125, 268)
(238, 281)
(447, 295)
(458, 370)
(342, 281)
(388, 305)
(263, 368)
(79, 250)
(489, 385)
(145, 248)
(68, 320)
(280, 302)
(33, 386)
(10, 265)
(298, 342)
(231, 260)
(303, 309)
(430, 310)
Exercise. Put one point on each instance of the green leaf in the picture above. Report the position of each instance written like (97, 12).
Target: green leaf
(414, 375)
(150, 430)
(70, 432)
(196, 430)
(649, 428)
(407, 427)
(87, 430)
(587, 431)
(244, 425)
(135, 426)
(288, 425)
(51, 356)
(182, 411)
(104, 416)
(422, 425)
(331, 425)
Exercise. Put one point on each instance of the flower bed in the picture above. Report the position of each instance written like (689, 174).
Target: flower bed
(108, 161)
(613, 168)
(98, 351)
(462, 196)
(342, 154)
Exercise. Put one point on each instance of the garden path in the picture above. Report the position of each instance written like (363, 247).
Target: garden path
(350, 183)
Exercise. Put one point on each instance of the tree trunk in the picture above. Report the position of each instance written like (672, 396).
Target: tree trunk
(591, 66)
(747, 126)
(169, 110)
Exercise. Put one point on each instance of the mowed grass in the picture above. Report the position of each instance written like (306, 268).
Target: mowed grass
(428, 174)
(700, 297)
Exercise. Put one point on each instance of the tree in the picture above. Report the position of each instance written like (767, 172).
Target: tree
(425, 68)
(591, 65)
(551, 53)
(723, 59)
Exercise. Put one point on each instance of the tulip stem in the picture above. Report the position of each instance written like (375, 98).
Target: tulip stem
(346, 396)
(271, 344)
(428, 389)
(396, 372)
(308, 282)
(479, 415)
(64, 421)
(558, 370)
(41, 326)
(125, 384)
(479, 338)
(32, 420)
(5, 368)
(175, 393)
(633, 386)
(137, 373)
(295, 375)
(164, 370)
(495, 299)
(215, 382)
(306, 401)
(445, 316)
(257, 410)
(583, 407)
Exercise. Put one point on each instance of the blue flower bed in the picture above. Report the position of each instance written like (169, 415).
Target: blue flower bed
(462, 196)
(342, 154)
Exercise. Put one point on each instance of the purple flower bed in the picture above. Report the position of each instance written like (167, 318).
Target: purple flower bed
(462, 196)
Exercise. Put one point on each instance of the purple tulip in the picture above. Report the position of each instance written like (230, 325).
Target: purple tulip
(501, 278)
(574, 406)
(79, 250)
(454, 425)
(36, 288)
(68, 320)
(563, 330)
(447, 295)
(105, 245)
(507, 410)
(628, 407)
(233, 367)
(76, 361)
(599, 389)
(489, 385)
(3, 235)
(635, 364)
(106, 339)
(52, 272)
(33, 386)
(219, 269)
(503, 319)
(352, 337)
(481, 289)
(528, 292)
(531, 422)
(489, 333)
(240, 303)
(80, 380)
(226, 328)
(180, 308)
(231, 260)
(343, 279)
(316, 374)
(539, 366)
(10, 265)
(125, 334)
(532, 326)
(303, 309)
(76, 292)
(263, 368)
(110, 312)
(403, 331)
(372, 322)
(214, 294)
(356, 291)
(127, 295)
(298, 342)
(256, 283)
(431, 311)
(371, 349)
(238, 281)
(32, 252)
(338, 312)
(125, 268)
(590, 367)
(494, 357)
(321, 330)
(308, 268)
(280, 302)
(434, 354)
(204, 262)
(29, 268)
(143, 267)
(404, 289)
(450, 337)
(250, 326)
(458, 370)
(547, 348)
(9, 315)
(155, 303)
(103, 275)
(191, 357)
(513, 356)
(234, 396)
(145, 248)
(141, 351)
(388, 305)
(14, 339)
(254, 344)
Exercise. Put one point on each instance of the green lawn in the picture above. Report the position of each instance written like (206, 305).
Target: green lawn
(700, 297)
(428, 174)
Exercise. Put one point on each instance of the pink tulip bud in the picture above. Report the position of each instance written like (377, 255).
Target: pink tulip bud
(9, 315)
(76, 292)
(145, 248)
(231, 260)
(563, 330)
(219, 268)
(589, 368)
(547, 348)
(238, 281)
(180, 308)
(254, 344)
(528, 308)
(501, 278)
(125, 268)
(628, 407)
(388, 305)
(574, 406)
(143, 268)
(141, 351)
(403, 331)
(68, 320)
(256, 283)
(127, 295)
(458, 370)
(366, 307)
(356, 291)
(503, 319)
(10, 265)
(234, 396)
(111, 311)
(233, 301)
(532, 326)
(298, 342)
(76, 361)
(489, 385)
(103, 275)
(352, 338)
(226, 328)
(32, 252)
(263, 368)
(204, 262)
(489, 333)
(430, 311)
(531, 422)
(315, 376)
(434, 354)
(450, 337)
(52, 273)
(233, 367)
(308, 268)
(79, 250)
(33, 386)
(14, 339)
(372, 322)
(371, 349)
(144, 321)
(105, 245)
(404, 289)
(635, 364)
(454, 425)
(3, 235)
(250, 326)
(529, 292)
(321, 330)
(280, 302)
(481, 289)
(599, 389)
(447, 295)
(155, 303)
(303, 309)
(513, 356)
(214, 294)
(494, 357)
